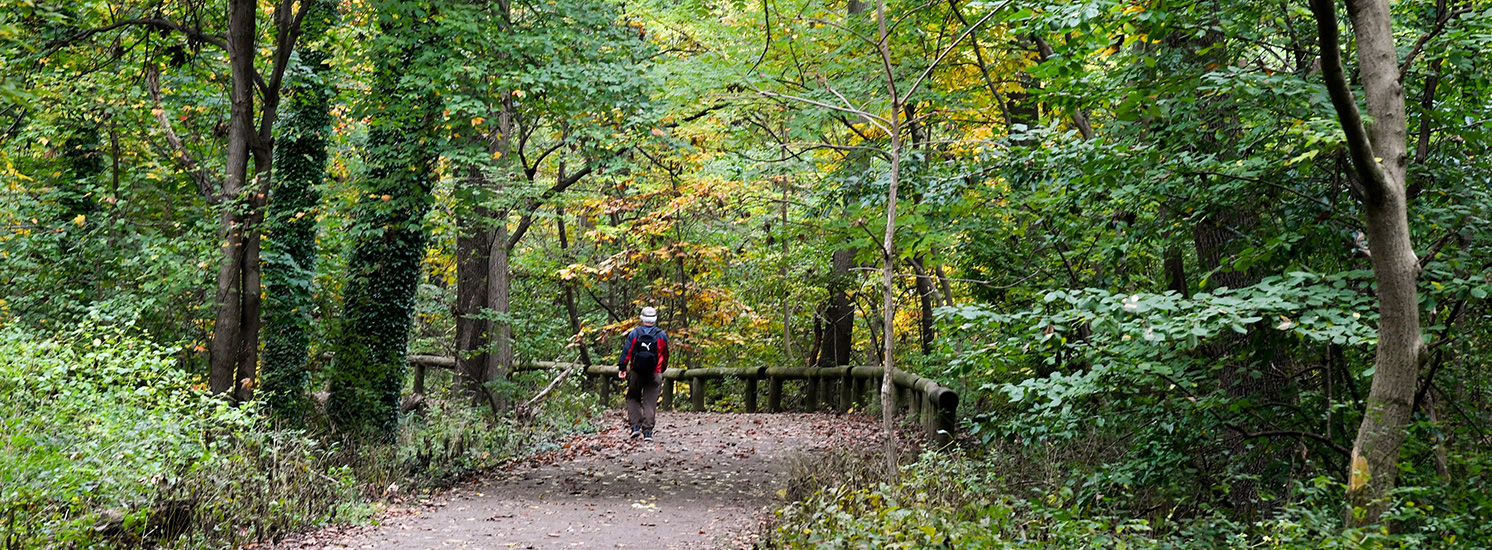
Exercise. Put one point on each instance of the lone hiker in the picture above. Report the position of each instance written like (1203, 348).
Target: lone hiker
(646, 351)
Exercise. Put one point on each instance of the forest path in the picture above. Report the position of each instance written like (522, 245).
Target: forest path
(703, 484)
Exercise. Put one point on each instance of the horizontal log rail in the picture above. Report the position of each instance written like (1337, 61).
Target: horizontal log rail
(934, 406)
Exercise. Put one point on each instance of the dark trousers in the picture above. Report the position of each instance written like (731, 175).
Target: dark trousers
(642, 398)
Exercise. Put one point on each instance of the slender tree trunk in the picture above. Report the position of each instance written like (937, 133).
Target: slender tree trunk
(253, 298)
(888, 248)
(926, 294)
(569, 287)
(840, 339)
(1380, 159)
(787, 311)
(226, 349)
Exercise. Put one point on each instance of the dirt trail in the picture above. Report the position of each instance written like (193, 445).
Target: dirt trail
(703, 484)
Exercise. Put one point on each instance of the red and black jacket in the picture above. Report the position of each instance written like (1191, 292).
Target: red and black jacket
(628, 347)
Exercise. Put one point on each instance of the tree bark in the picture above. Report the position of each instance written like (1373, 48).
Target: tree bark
(228, 333)
(888, 247)
(500, 361)
(569, 289)
(926, 294)
(839, 340)
(1380, 159)
(473, 250)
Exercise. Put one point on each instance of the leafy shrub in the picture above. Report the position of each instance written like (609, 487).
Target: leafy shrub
(105, 442)
(978, 502)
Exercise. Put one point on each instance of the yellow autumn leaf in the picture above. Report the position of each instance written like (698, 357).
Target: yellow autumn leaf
(80, 220)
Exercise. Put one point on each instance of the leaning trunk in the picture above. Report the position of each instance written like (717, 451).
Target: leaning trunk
(384, 267)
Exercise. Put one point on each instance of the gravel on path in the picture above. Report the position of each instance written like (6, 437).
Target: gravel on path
(705, 483)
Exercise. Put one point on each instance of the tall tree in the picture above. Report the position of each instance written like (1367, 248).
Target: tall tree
(300, 166)
(234, 351)
(384, 265)
(1380, 160)
(555, 82)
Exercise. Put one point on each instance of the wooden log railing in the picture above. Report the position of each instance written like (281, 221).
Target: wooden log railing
(934, 406)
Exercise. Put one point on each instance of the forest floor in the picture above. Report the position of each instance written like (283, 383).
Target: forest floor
(708, 481)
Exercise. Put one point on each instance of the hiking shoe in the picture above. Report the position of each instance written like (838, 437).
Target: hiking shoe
(647, 435)
(636, 431)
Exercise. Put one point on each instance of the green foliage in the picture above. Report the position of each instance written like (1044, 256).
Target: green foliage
(385, 261)
(106, 442)
(290, 238)
(105, 438)
(987, 502)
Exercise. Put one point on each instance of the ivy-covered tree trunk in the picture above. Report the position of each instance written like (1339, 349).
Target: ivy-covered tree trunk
(389, 233)
(290, 250)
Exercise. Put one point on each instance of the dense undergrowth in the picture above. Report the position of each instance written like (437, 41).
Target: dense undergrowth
(107, 443)
(1036, 497)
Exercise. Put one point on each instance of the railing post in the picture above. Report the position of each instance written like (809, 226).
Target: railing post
(947, 420)
(845, 383)
(811, 394)
(751, 394)
(697, 393)
(774, 394)
(667, 404)
(605, 391)
(929, 420)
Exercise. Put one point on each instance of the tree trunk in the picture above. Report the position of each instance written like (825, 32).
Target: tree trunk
(839, 340)
(926, 293)
(226, 349)
(368, 373)
(300, 165)
(569, 289)
(473, 250)
(499, 284)
(787, 311)
(1379, 158)
(888, 250)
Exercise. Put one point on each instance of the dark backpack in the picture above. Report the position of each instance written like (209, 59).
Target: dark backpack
(645, 352)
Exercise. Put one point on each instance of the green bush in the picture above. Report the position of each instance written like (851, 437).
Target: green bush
(109, 443)
(106, 442)
(986, 502)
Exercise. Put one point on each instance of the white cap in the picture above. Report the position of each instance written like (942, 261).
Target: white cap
(649, 315)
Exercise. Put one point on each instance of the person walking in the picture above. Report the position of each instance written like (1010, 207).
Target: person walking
(646, 352)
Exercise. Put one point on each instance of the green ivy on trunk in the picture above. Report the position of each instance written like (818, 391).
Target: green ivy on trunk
(388, 232)
(290, 238)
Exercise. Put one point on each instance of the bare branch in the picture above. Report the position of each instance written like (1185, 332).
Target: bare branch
(152, 22)
(1419, 45)
(183, 157)
(1375, 181)
(913, 89)
(825, 105)
(1290, 433)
